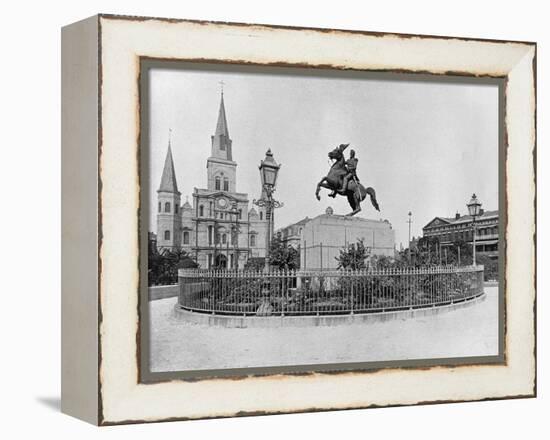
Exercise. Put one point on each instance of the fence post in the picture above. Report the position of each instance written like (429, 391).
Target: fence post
(305, 254)
(352, 292)
(214, 286)
(284, 286)
(318, 292)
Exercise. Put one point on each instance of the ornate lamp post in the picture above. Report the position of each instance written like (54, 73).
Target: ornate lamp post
(269, 169)
(234, 213)
(474, 209)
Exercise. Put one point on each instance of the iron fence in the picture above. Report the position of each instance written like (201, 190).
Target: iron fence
(325, 292)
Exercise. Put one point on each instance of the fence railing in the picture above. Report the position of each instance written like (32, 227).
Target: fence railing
(322, 292)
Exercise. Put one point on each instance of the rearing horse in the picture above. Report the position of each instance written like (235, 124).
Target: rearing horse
(355, 192)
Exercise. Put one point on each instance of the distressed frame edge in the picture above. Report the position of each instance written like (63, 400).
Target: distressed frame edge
(124, 17)
(244, 413)
(80, 220)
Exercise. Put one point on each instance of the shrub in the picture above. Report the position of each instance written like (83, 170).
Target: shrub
(163, 266)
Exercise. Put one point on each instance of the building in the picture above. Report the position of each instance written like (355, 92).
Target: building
(291, 234)
(460, 228)
(321, 238)
(217, 229)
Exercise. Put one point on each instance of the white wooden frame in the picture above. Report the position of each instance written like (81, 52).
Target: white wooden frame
(100, 225)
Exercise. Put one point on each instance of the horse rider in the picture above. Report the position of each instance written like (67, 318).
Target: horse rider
(351, 166)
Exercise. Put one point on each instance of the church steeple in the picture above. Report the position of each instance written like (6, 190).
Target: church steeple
(221, 143)
(221, 126)
(222, 171)
(169, 212)
(168, 181)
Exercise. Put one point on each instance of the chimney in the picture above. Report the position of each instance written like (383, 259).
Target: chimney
(481, 211)
(457, 215)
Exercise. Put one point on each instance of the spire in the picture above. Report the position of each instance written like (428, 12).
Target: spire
(187, 205)
(221, 126)
(221, 143)
(168, 181)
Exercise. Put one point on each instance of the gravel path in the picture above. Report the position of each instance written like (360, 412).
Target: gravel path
(178, 345)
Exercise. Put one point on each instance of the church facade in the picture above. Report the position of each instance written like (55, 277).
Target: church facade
(219, 228)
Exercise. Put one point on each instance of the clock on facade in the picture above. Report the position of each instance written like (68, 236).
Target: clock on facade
(222, 203)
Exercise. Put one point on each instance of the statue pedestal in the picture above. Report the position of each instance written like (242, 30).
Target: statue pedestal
(322, 238)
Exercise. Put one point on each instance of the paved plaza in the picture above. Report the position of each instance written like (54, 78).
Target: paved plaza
(179, 345)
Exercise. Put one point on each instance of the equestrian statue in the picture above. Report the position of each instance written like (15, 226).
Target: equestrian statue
(342, 180)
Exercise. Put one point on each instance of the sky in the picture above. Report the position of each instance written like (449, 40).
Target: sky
(425, 147)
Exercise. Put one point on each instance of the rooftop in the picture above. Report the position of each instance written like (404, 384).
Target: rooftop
(462, 219)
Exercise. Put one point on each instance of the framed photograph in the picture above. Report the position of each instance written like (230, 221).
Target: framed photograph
(262, 219)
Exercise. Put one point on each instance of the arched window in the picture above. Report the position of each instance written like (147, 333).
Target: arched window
(252, 240)
(201, 211)
(210, 206)
(225, 184)
(167, 235)
(222, 142)
(167, 207)
(160, 207)
(210, 235)
(218, 183)
(185, 237)
(224, 238)
(176, 208)
(261, 215)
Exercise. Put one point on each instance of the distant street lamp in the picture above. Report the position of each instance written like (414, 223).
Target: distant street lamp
(269, 169)
(474, 209)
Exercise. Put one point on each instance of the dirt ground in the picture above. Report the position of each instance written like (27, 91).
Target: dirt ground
(178, 345)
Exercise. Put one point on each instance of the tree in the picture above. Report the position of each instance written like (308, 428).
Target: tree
(353, 256)
(283, 256)
(255, 264)
(428, 252)
(385, 262)
(490, 267)
(163, 266)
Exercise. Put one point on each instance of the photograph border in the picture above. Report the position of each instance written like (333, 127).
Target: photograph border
(143, 332)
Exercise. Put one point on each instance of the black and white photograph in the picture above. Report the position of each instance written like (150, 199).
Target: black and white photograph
(310, 220)
(284, 220)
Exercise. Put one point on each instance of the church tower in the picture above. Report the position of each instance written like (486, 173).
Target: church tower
(222, 171)
(168, 209)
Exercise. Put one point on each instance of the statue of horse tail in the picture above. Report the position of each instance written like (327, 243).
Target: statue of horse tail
(370, 191)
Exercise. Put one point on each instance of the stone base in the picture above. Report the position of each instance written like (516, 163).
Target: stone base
(322, 238)
(231, 321)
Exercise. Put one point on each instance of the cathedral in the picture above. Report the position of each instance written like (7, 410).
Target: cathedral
(218, 229)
